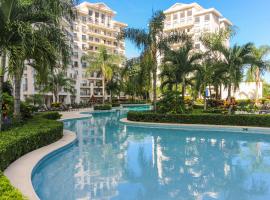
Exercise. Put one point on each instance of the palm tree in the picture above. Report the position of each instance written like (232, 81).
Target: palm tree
(153, 42)
(232, 63)
(57, 81)
(184, 62)
(257, 69)
(20, 22)
(102, 62)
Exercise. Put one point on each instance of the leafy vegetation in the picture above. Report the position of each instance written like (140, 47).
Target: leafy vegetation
(215, 119)
(7, 191)
(103, 107)
(37, 132)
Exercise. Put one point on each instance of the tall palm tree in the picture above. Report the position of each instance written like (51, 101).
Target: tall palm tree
(102, 62)
(184, 62)
(257, 69)
(20, 21)
(232, 63)
(57, 81)
(153, 41)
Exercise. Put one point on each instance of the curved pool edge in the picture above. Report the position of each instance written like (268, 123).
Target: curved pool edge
(20, 171)
(208, 127)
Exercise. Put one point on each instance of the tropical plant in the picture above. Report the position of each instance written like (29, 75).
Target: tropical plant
(153, 41)
(57, 81)
(257, 70)
(182, 62)
(23, 23)
(104, 63)
(232, 64)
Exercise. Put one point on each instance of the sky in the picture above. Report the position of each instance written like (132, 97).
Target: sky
(251, 17)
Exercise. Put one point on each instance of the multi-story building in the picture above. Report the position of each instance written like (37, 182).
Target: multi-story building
(93, 27)
(194, 20)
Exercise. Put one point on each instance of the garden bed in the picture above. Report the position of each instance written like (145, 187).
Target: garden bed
(41, 130)
(214, 119)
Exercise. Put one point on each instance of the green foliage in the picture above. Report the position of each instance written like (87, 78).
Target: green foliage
(50, 115)
(7, 88)
(214, 103)
(36, 99)
(116, 104)
(171, 102)
(56, 104)
(266, 90)
(215, 119)
(7, 191)
(103, 107)
(35, 133)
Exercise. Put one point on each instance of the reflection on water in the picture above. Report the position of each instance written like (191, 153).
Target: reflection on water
(118, 162)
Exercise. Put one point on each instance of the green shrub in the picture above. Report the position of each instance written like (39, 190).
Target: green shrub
(51, 115)
(215, 119)
(115, 104)
(35, 133)
(214, 103)
(134, 102)
(7, 191)
(171, 102)
(103, 107)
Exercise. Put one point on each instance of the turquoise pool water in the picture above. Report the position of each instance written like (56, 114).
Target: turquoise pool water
(114, 161)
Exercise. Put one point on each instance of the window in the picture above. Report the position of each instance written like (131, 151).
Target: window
(75, 54)
(102, 18)
(175, 16)
(197, 46)
(83, 29)
(84, 19)
(206, 17)
(90, 12)
(182, 15)
(76, 46)
(84, 46)
(76, 64)
(189, 13)
(197, 20)
(97, 40)
(91, 38)
(96, 15)
(83, 37)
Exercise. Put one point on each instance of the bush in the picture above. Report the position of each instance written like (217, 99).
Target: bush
(35, 133)
(171, 102)
(103, 107)
(115, 104)
(134, 102)
(7, 191)
(215, 119)
(50, 115)
(214, 103)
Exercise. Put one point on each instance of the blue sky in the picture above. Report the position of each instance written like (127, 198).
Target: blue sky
(251, 17)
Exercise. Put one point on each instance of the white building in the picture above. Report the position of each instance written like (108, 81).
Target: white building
(93, 27)
(194, 20)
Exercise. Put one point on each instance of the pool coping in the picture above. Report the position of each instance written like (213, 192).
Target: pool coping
(20, 171)
(237, 129)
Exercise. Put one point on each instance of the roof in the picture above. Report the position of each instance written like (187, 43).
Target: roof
(225, 20)
(210, 10)
(98, 6)
(182, 6)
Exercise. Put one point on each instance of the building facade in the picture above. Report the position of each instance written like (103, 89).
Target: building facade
(194, 20)
(92, 28)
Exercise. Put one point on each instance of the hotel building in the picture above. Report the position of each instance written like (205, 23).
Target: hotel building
(194, 20)
(93, 27)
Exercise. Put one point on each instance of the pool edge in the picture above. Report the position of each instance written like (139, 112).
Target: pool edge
(239, 129)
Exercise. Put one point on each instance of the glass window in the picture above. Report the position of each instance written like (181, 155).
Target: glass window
(189, 13)
(90, 12)
(83, 37)
(175, 16)
(197, 20)
(182, 15)
(207, 17)
(197, 46)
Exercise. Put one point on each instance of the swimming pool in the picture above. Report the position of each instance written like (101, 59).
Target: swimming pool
(115, 161)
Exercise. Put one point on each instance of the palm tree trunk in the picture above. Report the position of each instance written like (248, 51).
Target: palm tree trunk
(204, 98)
(183, 89)
(229, 98)
(103, 89)
(155, 86)
(257, 84)
(17, 96)
(111, 96)
(2, 71)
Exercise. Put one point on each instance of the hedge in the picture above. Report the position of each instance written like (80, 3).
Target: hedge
(35, 133)
(215, 119)
(103, 107)
(7, 191)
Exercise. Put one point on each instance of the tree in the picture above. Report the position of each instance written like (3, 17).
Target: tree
(57, 81)
(102, 62)
(232, 63)
(184, 62)
(257, 69)
(153, 42)
(19, 19)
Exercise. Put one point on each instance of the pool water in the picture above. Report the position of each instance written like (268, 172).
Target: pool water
(115, 161)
